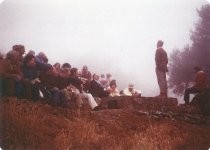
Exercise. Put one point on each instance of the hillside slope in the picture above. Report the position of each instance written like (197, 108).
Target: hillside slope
(37, 125)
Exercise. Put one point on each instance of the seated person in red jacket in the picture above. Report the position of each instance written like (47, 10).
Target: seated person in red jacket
(200, 85)
(96, 89)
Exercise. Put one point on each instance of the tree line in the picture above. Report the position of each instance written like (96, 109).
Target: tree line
(183, 60)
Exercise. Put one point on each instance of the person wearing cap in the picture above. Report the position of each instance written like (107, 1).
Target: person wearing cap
(161, 60)
(130, 91)
(200, 85)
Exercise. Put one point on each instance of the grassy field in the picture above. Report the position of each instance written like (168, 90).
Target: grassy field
(36, 125)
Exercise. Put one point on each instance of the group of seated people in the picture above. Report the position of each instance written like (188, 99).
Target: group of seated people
(30, 76)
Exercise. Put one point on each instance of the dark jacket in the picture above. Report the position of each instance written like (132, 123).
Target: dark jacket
(33, 72)
(161, 60)
(30, 73)
(97, 90)
(50, 81)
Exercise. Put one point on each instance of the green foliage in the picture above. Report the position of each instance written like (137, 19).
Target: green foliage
(182, 61)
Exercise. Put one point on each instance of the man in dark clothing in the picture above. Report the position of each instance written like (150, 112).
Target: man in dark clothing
(201, 84)
(96, 89)
(31, 70)
(161, 61)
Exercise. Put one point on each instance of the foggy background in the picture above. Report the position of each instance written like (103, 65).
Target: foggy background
(109, 36)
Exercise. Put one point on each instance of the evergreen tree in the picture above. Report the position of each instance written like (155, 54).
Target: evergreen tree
(198, 54)
(201, 40)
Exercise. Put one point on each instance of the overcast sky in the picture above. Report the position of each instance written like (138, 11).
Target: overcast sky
(116, 36)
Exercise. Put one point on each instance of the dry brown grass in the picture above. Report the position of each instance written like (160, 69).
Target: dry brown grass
(29, 125)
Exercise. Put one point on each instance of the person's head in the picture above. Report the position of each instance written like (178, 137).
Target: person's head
(159, 43)
(43, 57)
(66, 65)
(74, 72)
(65, 70)
(95, 77)
(130, 87)
(29, 61)
(113, 84)
(49, 70)
(57, 66)
(197, 69)
(19, 48)
(13, 57)
(102, 76)
(108, 75)
(84, 68)
(31, 52)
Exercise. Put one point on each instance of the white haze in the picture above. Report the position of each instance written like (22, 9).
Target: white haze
(116, 36)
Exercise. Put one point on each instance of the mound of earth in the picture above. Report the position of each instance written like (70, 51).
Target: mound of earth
(123, 123)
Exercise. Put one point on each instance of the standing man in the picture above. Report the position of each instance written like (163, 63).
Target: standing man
(161, 61)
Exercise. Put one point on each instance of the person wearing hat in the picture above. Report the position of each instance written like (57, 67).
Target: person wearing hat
(130, 91)
(161, 61)
(200, 85)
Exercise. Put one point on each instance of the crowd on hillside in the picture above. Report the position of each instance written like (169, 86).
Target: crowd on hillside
(30, 76)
